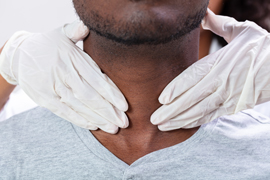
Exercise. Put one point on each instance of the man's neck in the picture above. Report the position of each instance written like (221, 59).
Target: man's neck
(141, 73)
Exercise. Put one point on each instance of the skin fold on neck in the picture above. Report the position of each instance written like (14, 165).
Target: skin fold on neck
(141, 72)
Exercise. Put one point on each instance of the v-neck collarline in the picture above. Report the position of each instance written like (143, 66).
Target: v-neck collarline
(103, 153)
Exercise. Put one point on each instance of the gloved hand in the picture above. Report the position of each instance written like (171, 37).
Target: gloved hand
(234, 78)
(61, 77)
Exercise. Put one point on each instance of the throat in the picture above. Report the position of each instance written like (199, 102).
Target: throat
(141, 73)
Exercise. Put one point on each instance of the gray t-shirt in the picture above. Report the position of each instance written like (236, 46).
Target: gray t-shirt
(39, 145)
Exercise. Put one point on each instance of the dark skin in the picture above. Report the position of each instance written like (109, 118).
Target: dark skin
(142, 71)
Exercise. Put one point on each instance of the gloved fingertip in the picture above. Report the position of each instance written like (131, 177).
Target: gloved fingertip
(163, 99)
(109, 128)
(164, 127)
(122, 106)
(125, 126)
(84, 29)
(209, 11)
(166, 99)
(112, 130)
(125, 123)
(92, 127)
(124, 120)
(76, 31)
(203, 21)
(153, 119)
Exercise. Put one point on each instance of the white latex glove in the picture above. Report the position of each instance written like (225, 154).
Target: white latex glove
(61, 77)
(233, 79)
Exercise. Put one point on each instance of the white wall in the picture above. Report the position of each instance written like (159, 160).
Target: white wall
(33, 16)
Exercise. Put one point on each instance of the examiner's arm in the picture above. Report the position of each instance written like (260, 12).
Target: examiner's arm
(5, 89)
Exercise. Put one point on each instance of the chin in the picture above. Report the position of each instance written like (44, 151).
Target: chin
(143, 22)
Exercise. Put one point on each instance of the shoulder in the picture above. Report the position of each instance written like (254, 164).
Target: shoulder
(15, 135)
(247, 124)
(33, 125)
(22, 118)
(34, 139)
(28, 119)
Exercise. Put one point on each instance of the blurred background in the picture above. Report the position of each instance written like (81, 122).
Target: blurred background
(33, 16)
